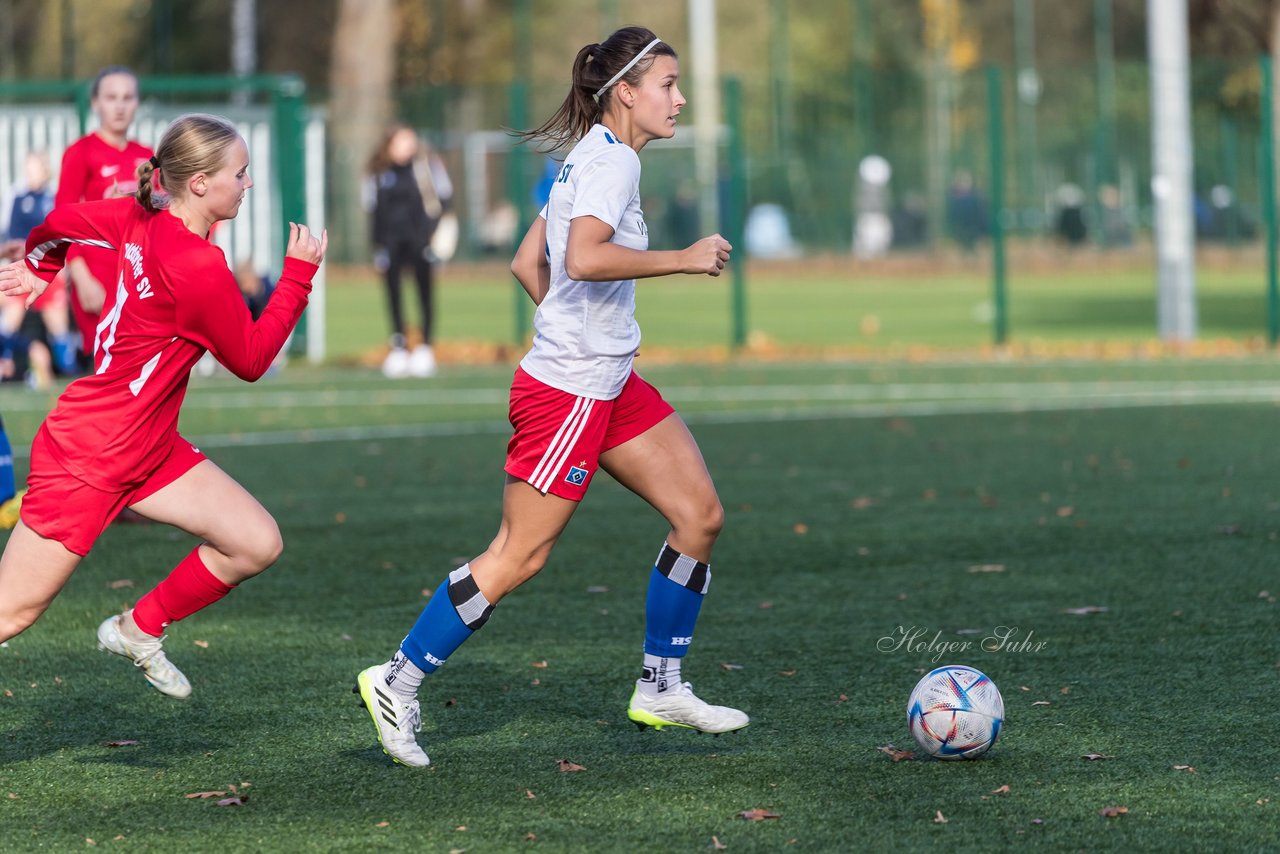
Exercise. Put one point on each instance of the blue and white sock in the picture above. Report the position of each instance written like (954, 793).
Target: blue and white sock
(676, 588)
(456, 610)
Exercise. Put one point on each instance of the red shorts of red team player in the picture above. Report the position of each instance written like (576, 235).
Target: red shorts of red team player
(559, 436)
(59, 506)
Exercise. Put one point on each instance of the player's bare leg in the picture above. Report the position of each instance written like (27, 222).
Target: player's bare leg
(32, 571)
(664, 467)
(240, 540)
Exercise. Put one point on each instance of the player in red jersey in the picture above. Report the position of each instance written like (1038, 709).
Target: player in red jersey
(100, 165)
(112, 440)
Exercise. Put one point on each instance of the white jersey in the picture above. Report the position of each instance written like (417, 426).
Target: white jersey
(585, 333)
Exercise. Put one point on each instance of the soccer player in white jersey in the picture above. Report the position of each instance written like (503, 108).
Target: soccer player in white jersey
(577, 404)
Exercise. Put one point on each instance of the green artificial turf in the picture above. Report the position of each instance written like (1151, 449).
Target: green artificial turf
(861, 501)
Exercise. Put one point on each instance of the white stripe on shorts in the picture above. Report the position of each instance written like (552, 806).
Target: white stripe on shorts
(566, 437)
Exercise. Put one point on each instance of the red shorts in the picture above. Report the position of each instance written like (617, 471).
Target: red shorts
(54, 296)
(559, 436)
(59, 506)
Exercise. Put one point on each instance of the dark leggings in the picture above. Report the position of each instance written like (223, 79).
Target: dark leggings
(413, 255)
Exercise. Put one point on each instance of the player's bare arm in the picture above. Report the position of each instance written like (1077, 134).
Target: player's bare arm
(590, 257)
(530, 265)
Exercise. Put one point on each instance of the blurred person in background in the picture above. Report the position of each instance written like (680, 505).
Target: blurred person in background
(102, 164)
(34, 343)
(407, 193)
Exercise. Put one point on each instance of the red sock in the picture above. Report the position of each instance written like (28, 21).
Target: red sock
(190, 587)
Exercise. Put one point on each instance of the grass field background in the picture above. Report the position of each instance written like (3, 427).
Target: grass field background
(862, 499)
(902, 306)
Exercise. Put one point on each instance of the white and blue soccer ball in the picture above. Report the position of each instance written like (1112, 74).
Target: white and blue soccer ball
(955, 712)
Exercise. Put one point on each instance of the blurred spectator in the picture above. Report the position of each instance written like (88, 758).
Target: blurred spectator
(1069, 222)
(255, 287)
(34, 343)
(408, 193)
(1116, 230)
(1222, 218)
(910, 222)
(966, 212)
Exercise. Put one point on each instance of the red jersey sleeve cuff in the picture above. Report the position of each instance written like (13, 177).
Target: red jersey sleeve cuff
(297, 270)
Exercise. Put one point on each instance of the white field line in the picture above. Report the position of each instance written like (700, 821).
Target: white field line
(1037, 397)
(1154, 392)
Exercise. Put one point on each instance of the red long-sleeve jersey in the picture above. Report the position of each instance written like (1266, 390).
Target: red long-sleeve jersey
(94, 169)
(170, 298)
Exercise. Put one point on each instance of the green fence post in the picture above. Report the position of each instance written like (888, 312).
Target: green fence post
(735, 217)
(1268, 169)
(518, 184)
(290, 157)
(995, 133)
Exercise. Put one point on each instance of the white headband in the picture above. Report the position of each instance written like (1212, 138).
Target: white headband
(630, 65)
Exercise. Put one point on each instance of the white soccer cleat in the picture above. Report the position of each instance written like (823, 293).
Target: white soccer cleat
(680, 707)
(396, 365)
(395, 720)
(147, 655)
(422, 361)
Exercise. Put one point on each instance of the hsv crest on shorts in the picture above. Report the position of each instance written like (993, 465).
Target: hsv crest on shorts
(576, 476)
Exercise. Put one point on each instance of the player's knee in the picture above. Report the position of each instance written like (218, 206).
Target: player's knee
(14, 623)
(701, 520)
(262, 546)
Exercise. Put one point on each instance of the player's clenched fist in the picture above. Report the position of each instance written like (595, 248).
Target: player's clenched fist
(304, 245)
(708, 255)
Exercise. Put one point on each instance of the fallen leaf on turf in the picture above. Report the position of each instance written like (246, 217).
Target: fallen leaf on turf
(863, 502)
(717, 844)
(987, 567)
(531, 837)
(765, 606)
(450, 702)
(203, 644)
(1188, 768)
(528, 793)
(460, 828)
(1041, 703)
(800, 528)
(786, 673)
(121, 582)
(758, 814)
(1023, 688)
(968, 631)
(1037, 821)
(1003, 790)
(123, 742)
(13, 796)
(939, 818)
(205, 794)
(119, 837)
(89, 841)
(1262, 802)
(1065, 511)
(238, 801)
(8, 693)
(727, 666)
(566, 765)
(1112, 812)
(597, 588)
(1087, 609)
(1092, 756)
(541, 665)
(895, 754)
(1065, 689)
(383, 824)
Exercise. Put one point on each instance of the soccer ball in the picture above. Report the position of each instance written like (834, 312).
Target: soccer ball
(955, 712)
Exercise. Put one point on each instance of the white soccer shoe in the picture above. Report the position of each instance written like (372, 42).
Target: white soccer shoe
(422, 361)
(395, 720)
(146, 655)
(396, 365)
(680, 707)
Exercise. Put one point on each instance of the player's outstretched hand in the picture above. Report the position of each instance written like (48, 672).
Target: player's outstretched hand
(304, 245)
(708, 255)
(17, 279)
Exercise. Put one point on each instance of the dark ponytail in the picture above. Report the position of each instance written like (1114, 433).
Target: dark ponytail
(593, 67)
